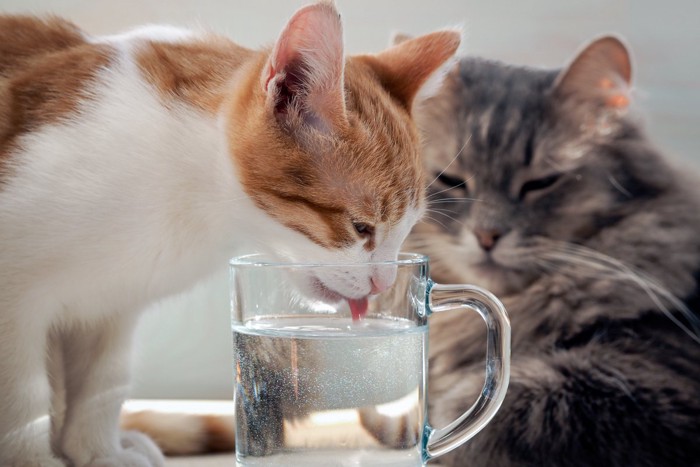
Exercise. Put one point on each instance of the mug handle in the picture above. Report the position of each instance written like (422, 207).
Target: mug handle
(449, 297)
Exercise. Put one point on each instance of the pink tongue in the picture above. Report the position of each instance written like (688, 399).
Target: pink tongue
(358, 308)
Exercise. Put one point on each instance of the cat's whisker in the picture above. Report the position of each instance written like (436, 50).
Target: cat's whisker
(548, 265)
(451, 162)
(452, 200)
(428, 198)
(443, 210)
(421, 241)
(433, 243)
(440, 211)
(597, 263)
(656, 294)
(436, 221)
(426, 241)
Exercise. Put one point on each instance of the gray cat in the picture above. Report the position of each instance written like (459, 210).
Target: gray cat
(558, 203)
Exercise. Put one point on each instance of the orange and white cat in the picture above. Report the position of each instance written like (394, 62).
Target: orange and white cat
(131, 166)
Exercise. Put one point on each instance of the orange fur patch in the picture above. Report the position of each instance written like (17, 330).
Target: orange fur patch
(196, 72)
(45, 66)
(404, 68)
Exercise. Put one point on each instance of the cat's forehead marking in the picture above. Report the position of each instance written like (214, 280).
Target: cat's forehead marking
(46, 67)
(504, 109)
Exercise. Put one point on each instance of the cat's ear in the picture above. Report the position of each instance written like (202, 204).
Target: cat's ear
(398, 38)
(601, 73)
(414, 68)
(303, 77)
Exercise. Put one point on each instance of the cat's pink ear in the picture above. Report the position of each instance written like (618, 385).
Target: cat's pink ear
(415, 66)
(303, 77)
(601, 72)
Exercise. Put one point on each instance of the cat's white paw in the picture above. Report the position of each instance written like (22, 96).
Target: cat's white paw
(138, 442)
(137, 451)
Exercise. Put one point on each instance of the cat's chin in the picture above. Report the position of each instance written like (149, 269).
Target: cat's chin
(358, 304)
(319, 290)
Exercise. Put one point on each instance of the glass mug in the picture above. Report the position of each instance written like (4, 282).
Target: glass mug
(325, 381)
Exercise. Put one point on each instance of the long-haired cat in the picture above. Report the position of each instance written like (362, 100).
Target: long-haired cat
(546, 190)
(133, 165)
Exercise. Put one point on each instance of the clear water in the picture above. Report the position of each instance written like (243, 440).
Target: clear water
(329, 392)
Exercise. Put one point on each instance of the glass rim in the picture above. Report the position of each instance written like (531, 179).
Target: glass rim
(258, 260)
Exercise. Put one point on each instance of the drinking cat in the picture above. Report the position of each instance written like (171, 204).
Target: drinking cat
(133, 165)
(546, 190)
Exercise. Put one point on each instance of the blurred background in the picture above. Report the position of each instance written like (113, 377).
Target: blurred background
(183, 347)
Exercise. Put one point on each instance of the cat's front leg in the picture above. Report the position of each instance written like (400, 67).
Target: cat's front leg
(97, 361)
(24, 389)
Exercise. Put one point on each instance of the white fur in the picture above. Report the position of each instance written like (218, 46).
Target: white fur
(125, 204)
(155, 32)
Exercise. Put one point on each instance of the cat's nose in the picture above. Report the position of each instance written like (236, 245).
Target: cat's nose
(378, 285)
(487, 238)
(382, 279)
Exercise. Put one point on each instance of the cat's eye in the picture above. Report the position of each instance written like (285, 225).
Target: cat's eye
(452, 181)
(538, 185)
(363, 229)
